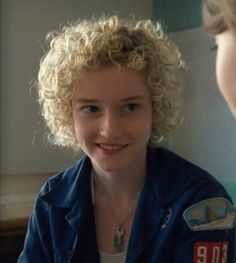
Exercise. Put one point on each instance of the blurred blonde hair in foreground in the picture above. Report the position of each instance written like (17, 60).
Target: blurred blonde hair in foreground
(219, 15)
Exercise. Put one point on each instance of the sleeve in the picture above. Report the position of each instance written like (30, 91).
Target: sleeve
(37, 246)
(206, 246)
(207, 229)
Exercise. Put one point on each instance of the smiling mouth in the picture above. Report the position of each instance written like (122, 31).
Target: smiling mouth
(111, 148)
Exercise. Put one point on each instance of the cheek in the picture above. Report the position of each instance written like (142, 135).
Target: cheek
(86, 131)
(221, 71)
(145, 127)
(81, 131)
(226, 78)
(226, 73)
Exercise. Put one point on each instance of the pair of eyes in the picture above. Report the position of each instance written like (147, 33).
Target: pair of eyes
(131, 107)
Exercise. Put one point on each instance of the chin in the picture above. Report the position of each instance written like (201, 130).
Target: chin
(111, 167)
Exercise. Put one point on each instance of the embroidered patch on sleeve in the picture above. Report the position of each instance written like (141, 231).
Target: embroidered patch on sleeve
(210, 214)
(211, 252)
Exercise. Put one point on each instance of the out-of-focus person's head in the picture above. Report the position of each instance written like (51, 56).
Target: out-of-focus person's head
(219, 20)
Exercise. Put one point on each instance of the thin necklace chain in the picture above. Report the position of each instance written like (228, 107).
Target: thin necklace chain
(119, 236)
(106, 198)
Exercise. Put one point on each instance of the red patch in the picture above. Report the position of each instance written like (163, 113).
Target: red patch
(211, 252)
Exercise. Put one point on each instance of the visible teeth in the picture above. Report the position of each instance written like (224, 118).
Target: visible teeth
(110, 147)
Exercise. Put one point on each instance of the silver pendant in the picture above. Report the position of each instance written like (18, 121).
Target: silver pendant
(119, 239)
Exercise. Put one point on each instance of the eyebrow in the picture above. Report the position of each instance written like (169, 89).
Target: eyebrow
(131, 98)
(83, 100)
(137, 97)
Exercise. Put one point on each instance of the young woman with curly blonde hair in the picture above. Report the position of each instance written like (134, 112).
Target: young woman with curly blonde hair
(111, 88)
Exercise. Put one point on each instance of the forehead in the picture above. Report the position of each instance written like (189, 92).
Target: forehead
(111, 81)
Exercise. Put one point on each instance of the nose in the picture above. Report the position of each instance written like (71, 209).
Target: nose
(110, 127)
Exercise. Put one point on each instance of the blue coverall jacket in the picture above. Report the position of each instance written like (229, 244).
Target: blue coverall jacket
(62, 224)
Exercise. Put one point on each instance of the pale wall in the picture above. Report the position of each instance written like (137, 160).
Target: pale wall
(208, 135)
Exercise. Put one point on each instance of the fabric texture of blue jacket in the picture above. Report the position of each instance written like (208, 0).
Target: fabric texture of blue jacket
(62, 225)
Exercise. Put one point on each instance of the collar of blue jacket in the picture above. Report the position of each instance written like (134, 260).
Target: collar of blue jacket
(168, 177)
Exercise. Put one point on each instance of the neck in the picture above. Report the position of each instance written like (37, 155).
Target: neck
(115, 197)
(123, 185)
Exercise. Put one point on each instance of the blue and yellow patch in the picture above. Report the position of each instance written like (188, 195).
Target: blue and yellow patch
(210, 214)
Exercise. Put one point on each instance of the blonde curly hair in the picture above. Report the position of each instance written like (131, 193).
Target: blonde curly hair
(90, 44)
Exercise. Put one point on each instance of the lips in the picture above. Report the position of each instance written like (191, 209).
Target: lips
(111, 148)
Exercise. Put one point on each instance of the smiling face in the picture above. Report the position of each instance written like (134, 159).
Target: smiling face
(112, 116)
(226, 67)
